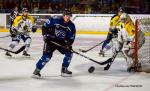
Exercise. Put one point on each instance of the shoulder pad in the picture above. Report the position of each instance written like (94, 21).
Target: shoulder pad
(114, 16)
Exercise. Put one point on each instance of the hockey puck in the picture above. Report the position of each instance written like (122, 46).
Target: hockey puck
(91, 69)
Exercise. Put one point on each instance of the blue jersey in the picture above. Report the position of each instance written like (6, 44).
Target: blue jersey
(60, 30)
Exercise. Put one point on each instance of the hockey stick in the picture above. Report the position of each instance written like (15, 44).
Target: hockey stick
(15, 52)
(100, 63)
(5, 36)
(111, 60)
(91, 47)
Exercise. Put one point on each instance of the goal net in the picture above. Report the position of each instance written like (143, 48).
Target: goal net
(142, 44)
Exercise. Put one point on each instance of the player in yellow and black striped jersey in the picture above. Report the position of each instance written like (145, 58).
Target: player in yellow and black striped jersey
(113, 31)
(20, 29)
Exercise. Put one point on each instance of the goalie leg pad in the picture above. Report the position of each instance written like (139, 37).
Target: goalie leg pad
(129, 59)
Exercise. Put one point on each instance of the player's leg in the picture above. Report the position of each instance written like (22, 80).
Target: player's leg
(15, 41)
(116, 45)
(108, 39)
(129, 59)
(27, 40)
(66, 62)
(47, 54)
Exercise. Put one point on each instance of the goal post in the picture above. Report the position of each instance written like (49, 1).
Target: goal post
(142, 44)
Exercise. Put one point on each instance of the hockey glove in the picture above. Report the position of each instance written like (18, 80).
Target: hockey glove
(68, 45)
(25, 27)
(34, 28)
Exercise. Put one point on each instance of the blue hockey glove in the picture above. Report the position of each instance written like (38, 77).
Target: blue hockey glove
(34, 28)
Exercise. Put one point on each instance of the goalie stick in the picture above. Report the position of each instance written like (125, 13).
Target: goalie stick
(15, 52)
(111, 60)
(91, 47)
(100, 63)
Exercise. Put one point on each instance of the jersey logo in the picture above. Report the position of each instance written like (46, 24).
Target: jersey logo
(60, 33)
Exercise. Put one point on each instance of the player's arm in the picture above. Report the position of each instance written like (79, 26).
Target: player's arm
(113, 22)
(15, 25)
(47, 30)
(32, 24)
(71, 35)
(12, 15)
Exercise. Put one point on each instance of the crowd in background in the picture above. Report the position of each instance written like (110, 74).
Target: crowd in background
(77, 6)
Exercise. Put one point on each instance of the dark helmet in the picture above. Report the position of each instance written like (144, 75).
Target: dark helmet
(67, 12)
(121, 9)
(24, 10)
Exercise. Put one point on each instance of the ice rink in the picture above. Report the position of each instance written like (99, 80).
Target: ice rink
(16, 72)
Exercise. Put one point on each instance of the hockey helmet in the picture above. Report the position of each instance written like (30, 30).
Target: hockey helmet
(121, 9)
(67, 12)
(24, 10)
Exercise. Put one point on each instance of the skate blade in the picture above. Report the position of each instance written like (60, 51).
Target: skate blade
(66, 75)
(36, 77)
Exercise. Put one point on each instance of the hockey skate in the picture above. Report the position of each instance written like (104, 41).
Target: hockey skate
(8, 54)
(101, 53)
(25, 53)
(65, 72)
(36, 73)
(131, 69)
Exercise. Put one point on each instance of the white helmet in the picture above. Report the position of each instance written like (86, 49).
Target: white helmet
(123, 17)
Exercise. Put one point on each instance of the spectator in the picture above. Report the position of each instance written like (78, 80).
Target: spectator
(25, 3)
(35, 8)
(88, 9)
(74, 9)
(49, 8)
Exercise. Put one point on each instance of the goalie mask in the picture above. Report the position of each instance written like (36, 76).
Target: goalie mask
(123, 17)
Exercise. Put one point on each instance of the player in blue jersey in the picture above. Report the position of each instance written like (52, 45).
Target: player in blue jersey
(60, 30)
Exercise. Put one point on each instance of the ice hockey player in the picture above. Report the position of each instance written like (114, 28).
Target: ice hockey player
(127, 37)
(113, 30)
(20, 29)
(60, 30)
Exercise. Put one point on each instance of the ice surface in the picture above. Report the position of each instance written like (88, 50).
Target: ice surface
(16, 72)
